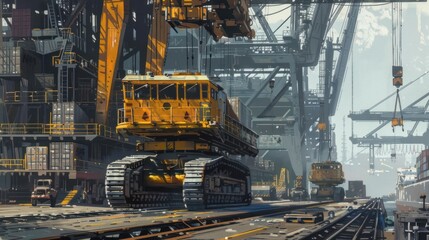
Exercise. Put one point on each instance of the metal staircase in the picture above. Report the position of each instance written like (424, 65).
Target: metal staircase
(66, 64)
(70, 196)
(53, 23)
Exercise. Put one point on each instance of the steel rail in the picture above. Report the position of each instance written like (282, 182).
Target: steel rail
(357, 224)
(60, 216)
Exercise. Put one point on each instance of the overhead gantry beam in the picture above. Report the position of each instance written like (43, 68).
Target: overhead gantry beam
(405, 109)
(363, 142)
(387, 116)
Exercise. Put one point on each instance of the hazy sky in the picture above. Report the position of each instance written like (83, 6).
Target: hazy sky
(372, 58)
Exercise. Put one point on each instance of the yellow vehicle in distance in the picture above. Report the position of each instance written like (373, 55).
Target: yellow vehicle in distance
(327, 175)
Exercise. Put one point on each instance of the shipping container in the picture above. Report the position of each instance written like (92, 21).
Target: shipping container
(10, 60)
(21, 26)
(37, 158)
(66, 155)
(422, 165)
(243, 112)
(68, 112)
(69, 115)
(265, 192)
(356, 189)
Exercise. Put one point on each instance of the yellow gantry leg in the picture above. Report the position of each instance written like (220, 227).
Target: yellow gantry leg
(112, 27)
(157, 42)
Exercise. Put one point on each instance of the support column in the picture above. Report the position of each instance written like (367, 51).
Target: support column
(294, 135)
(371, 157)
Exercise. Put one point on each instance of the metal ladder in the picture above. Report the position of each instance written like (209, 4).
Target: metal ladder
(64, 83)
(52, 15)
(66, 65)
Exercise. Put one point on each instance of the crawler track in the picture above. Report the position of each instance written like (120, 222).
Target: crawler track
(121, 195)
(211, 182)
(361, 223)
(196, 196)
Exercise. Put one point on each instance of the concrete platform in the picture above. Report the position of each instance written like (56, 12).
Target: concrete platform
(269, 227)
(27, 222)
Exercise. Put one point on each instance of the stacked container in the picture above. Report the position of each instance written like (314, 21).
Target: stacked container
(37, 158)
(422, 165)
(356, 189)
(65, 155)
(243, 113)
(21, 26)
(67, 114)
(10, 60)
(61, 157)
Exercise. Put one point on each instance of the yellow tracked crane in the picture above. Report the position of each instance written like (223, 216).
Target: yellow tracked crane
(189, 118)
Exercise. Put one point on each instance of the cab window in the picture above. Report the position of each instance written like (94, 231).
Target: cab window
(142, 91)
(167, 91)
(205, 91)
(193, 91)
(128, 90)
(213, 94)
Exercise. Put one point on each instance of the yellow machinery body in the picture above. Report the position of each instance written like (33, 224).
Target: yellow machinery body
(281, 181)
(188, 124)
(329, 173)
(298, 192)
(182, 113)
(298, 182)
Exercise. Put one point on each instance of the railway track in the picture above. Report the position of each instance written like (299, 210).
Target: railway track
(28, 218)
(361, 223)
(176, 229)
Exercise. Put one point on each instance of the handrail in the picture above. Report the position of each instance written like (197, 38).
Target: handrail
(13, 164)
(195, 115)
(172, 115)
(59, 59)
(32, 96)
(57, 129)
